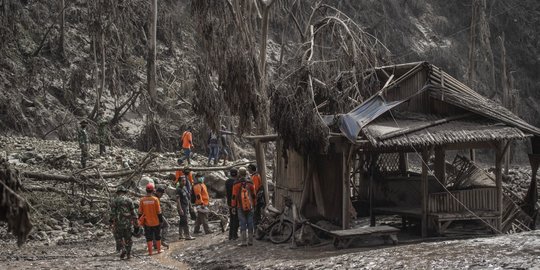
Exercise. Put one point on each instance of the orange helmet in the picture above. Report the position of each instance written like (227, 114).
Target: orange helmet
(150, 187)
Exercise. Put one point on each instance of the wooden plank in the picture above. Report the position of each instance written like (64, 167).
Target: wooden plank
(414, 212)
(365, 231)
(424, 185)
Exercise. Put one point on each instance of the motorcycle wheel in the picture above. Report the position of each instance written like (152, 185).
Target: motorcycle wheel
(281, 232)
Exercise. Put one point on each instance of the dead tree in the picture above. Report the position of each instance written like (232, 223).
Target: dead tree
(227, 32)
(331, 72)
(62, 27)
(151, 57)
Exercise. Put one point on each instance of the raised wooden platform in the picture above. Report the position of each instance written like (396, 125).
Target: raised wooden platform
(344, 238)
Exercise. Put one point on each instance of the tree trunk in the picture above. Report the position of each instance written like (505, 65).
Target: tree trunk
(505, 96)
(263, 123)
(471, 72)
(62, 26)
(472, 42)
(151, 64)
(97, 106)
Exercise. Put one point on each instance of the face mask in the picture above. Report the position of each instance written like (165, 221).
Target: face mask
(200, 179)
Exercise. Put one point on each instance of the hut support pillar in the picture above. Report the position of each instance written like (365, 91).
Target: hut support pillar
(403, 163)
(345, 211)
(499, 156)
(424, 188)
(373, 161)
(261, 166)
(440, 164)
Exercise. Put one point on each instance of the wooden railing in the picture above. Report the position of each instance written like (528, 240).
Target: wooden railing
(481, 199)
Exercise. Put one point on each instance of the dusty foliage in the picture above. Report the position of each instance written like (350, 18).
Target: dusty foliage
(331, 73)
(228, 54)
(294, 115)
(13, 208)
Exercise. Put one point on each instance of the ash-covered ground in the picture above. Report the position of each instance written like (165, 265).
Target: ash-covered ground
(71, 230)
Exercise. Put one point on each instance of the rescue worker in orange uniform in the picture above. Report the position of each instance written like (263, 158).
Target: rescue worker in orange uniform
(184, 172)
(259, 192)
(187, 145)
(201, 204)
(243, 204)
(151, 218)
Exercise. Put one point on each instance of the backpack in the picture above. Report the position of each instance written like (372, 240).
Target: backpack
(245, 198)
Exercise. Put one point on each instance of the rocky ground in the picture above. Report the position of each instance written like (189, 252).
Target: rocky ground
(71, 230)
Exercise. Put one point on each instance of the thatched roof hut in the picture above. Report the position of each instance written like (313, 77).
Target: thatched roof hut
(420, 110)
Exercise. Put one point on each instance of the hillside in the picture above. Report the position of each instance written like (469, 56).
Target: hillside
(46, 87)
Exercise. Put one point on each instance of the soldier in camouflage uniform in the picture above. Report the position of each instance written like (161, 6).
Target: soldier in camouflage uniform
(82, 137)
(102, 133)
(123, 218)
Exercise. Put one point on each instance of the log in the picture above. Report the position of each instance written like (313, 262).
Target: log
(121, 173)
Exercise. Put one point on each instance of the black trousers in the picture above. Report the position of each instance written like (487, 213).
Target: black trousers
(152, 233)
(233, 225)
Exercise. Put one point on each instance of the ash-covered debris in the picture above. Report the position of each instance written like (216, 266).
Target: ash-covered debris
(68, 212)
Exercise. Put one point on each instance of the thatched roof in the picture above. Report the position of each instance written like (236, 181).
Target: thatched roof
(466, 117)
(446, 133)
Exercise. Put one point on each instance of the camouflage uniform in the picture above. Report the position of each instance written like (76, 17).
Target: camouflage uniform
(82, 137)
(123, 216)
(102, 135)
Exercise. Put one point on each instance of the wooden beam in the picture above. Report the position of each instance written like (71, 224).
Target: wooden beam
(261, 166)
(440, 164)
(424, 188)
(262, 138)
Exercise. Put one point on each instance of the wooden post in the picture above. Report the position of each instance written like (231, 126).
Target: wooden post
(424, 188)
(373, 161)
(261, 166)
(403, 163)
(345, 211)
(499, 156)
(440, 164)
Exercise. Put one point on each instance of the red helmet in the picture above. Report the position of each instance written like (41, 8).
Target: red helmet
(149, 187)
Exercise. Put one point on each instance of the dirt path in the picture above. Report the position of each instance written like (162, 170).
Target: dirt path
(166, 257)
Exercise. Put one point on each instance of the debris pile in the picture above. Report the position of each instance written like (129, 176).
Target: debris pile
(69, 204)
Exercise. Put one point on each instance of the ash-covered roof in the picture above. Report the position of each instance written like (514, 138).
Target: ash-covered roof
(387, 133)
(466, 116)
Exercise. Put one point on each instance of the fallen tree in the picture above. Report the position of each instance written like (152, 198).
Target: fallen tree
(121, 173)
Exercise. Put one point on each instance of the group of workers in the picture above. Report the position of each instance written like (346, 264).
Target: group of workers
(244, 199)
(217, 143)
